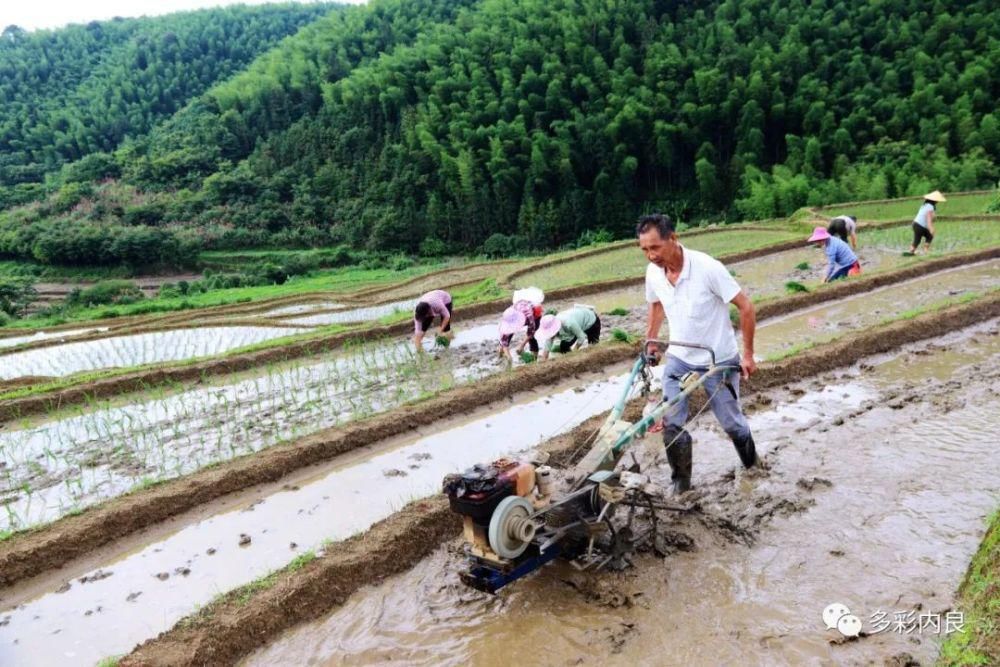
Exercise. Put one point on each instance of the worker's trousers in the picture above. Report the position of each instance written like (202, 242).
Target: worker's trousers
(724, 401)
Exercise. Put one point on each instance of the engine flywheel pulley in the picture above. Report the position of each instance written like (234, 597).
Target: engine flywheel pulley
(511, 531)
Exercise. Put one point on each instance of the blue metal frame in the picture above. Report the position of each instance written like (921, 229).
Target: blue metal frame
(491, 580)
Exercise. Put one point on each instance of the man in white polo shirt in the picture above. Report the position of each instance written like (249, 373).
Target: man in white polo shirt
(694, 291)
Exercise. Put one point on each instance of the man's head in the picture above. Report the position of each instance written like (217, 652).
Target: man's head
(658, 239)
(423, 310)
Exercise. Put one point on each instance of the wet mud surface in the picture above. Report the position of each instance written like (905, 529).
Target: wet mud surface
(211, 634)
(875, 485)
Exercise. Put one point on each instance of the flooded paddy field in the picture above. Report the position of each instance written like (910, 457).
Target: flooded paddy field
(159, 583)
(302, 514)
(134, 350)
(61, 465)
(873, 495)
(67, 464)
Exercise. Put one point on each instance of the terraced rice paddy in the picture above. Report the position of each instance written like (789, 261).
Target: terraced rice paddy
(957, 204)
(351, 315)
(629, 262)
(67, 464)
(11, 341)
(133, 350)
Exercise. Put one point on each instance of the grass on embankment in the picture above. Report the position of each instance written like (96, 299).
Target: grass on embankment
(630, 262)
(331, 280)
(978, 643)
(905, 315)
(957, 204)
(949, 236)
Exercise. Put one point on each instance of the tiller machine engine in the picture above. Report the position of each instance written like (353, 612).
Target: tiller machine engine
(516, 520)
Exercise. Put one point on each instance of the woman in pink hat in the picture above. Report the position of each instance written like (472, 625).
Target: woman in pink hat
(841, 260)
(522, 314)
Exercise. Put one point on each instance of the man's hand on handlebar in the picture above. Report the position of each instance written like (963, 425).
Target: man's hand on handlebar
(654, 354)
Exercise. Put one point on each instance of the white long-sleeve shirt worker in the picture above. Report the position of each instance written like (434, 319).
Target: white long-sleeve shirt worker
(697, 308)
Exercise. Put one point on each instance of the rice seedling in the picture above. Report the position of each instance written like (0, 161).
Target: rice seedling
(793, 286)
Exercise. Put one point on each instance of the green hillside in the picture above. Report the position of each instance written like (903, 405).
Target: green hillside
(75, 91)
(516, 125)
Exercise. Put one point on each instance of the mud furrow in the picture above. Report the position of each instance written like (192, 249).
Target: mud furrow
(55, 544)
(246, 619)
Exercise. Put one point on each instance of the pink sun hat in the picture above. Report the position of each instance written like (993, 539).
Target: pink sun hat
(819, 234)
(548, 327)
(511, 322)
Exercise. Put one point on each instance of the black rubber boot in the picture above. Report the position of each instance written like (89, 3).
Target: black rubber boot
(678, 443)
(747, 450)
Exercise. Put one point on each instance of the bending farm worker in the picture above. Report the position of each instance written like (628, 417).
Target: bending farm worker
(522, 314)
(923, 224)
(436, 303)
(845, 227)
(528, 303)
(693, 291)
(571, 328)
(841, 260)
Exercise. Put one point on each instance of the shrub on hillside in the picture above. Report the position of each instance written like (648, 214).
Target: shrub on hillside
(104, 293)
(16, 294)
(504, 245)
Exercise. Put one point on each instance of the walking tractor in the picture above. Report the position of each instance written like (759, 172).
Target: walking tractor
(515, 520)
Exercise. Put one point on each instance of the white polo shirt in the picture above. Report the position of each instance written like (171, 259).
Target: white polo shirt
(697, 308)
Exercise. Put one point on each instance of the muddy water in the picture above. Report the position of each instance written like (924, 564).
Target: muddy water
(828, 321)
(134, 350)
(878, 482)
(147, 591)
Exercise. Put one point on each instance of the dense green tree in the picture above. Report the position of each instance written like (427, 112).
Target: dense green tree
(83, 89)
(510, 125)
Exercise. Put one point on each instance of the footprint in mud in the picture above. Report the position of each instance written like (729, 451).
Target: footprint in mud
(394, 472)
(813, 484)
(96, 576)
(606, 590)
(615, 636)
(901, 660)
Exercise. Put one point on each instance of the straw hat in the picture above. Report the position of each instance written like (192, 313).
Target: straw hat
(548, 327)
(532, 295)
(935, 196)
(511, 322)
(819, 234)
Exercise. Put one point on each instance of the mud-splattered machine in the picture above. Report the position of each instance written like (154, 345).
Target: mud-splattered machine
(515, 520)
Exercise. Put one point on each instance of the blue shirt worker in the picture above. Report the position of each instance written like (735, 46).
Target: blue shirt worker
(840, 259)
(693, 292)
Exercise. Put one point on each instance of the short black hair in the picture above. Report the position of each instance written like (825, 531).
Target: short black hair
(423, 310)
(661, 221)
